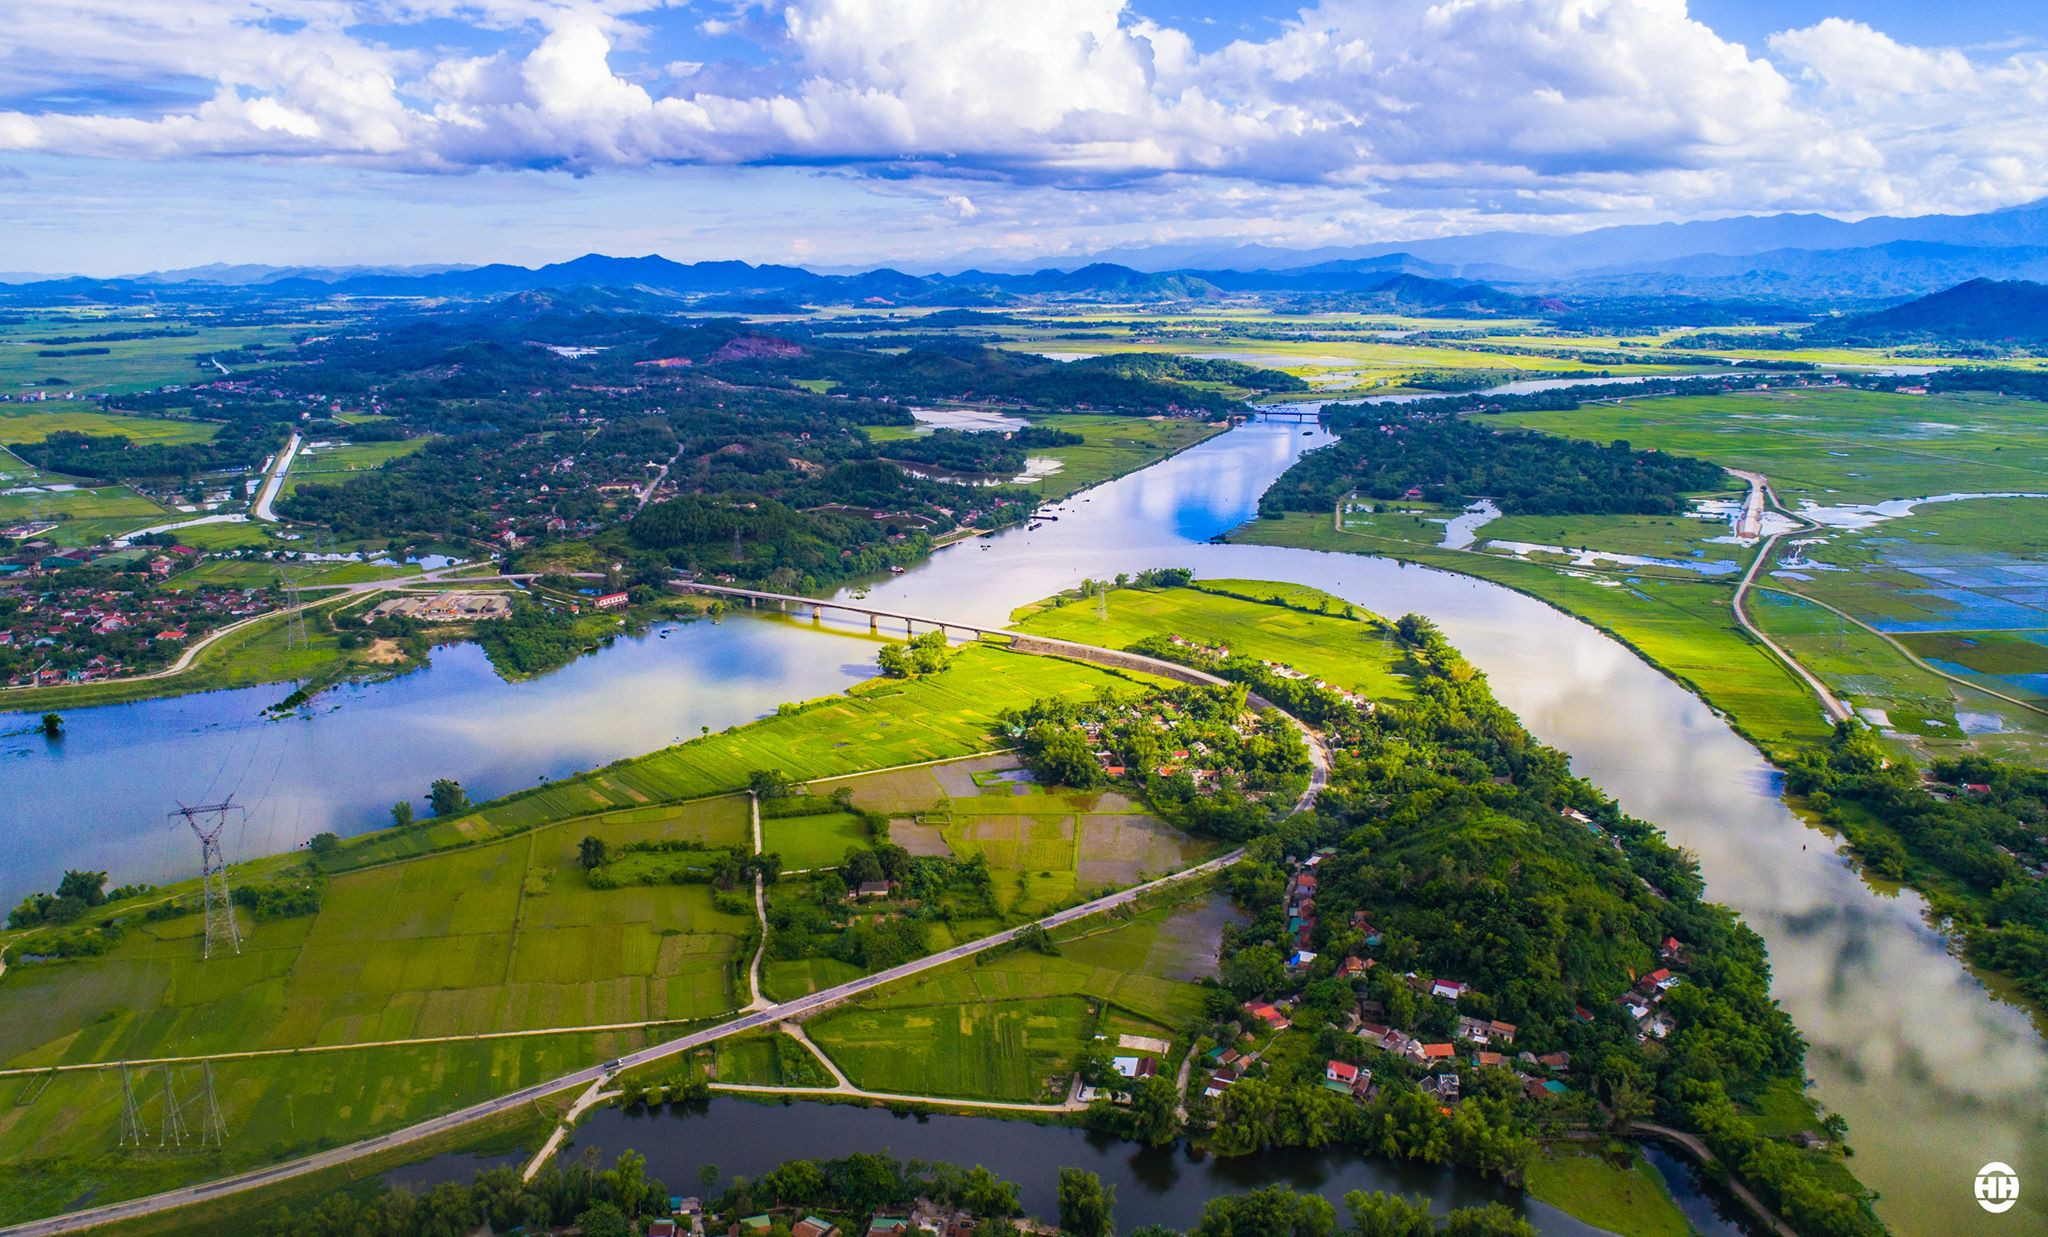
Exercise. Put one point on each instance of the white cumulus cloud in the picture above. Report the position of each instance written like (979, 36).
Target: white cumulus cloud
(1516, 106)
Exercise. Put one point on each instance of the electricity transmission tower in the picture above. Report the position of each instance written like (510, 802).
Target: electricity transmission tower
(208, 822)
(174, 1122)
(213, 1129)
(131, 1116)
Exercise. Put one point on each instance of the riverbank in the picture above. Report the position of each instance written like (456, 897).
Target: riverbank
(1692, 640)
(1684, 631)
(1933, 1076)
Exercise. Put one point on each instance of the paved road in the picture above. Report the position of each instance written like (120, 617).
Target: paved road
(275, 481)
(1760, 493)
(594, 1076)
(114, 1213)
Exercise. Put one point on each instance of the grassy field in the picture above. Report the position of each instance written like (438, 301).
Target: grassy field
(332, 463)
(1631, 1201)
(1833, 446)
(1353, 652)
(819, 841)
(1115, 446)
(769, 1059)
(171, 351)
(1008, 1026)
(35, 422)
(1334, 359)
(1950, 577)
(83, 514)
(59, 1136)
(488, 938)
(876, 724)
(1046, 848)
(1683, 627)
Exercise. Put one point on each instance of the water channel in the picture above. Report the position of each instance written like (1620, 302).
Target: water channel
(1154, 1185)
(1935, 1076)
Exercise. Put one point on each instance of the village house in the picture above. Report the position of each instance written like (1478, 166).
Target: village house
(1268, 1014)
(812, 1226)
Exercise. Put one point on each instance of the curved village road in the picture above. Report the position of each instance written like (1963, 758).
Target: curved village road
(1760, 495)
(591, 1077)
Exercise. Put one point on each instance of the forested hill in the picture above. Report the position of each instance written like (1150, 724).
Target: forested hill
(1386, 454)
(1983, 311)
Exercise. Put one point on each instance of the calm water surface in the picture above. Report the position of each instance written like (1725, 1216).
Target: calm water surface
(1164, 1185)
(1934, 1075)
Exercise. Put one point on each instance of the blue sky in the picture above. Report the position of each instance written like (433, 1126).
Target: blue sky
(145, 134)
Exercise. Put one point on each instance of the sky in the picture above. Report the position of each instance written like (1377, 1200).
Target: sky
(931, 134)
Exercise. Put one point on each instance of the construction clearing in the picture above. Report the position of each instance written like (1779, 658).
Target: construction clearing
(443, 607)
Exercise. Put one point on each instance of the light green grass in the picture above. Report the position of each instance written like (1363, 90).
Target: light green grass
(876, 724)
(1631, 1202)
(819, 841)
(1683, 627)
(1009, 1026)
(129, 365)
(36, 422)
(1352, 652)
(489, 938)
(333, 465)
(62, 1149)
(1832, 446)
(1003, 1050)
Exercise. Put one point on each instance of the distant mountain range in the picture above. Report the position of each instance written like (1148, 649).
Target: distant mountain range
(1385, 284)
(1754, 267)
(1530, 256)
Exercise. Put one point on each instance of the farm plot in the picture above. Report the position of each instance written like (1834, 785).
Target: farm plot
(496, 937)
(59, 1133)
(1009, 1026)
(1003, 1050)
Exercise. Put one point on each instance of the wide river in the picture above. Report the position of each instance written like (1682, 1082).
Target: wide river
(1935, 1076)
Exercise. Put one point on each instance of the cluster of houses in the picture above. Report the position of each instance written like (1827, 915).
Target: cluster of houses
(924, 1217)
(1302, 883)
(84, 634)
(1282, 670)
(1478, 1042)
(1139, 1059)
(1165, 718)
(1641, 1001)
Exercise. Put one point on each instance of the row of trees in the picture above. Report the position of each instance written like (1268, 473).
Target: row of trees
(1451, 459)
(1974, 844)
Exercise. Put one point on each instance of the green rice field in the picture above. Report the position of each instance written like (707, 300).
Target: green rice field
(487, 938)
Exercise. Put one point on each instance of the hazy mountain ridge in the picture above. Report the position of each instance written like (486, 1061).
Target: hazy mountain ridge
(2012, 313)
